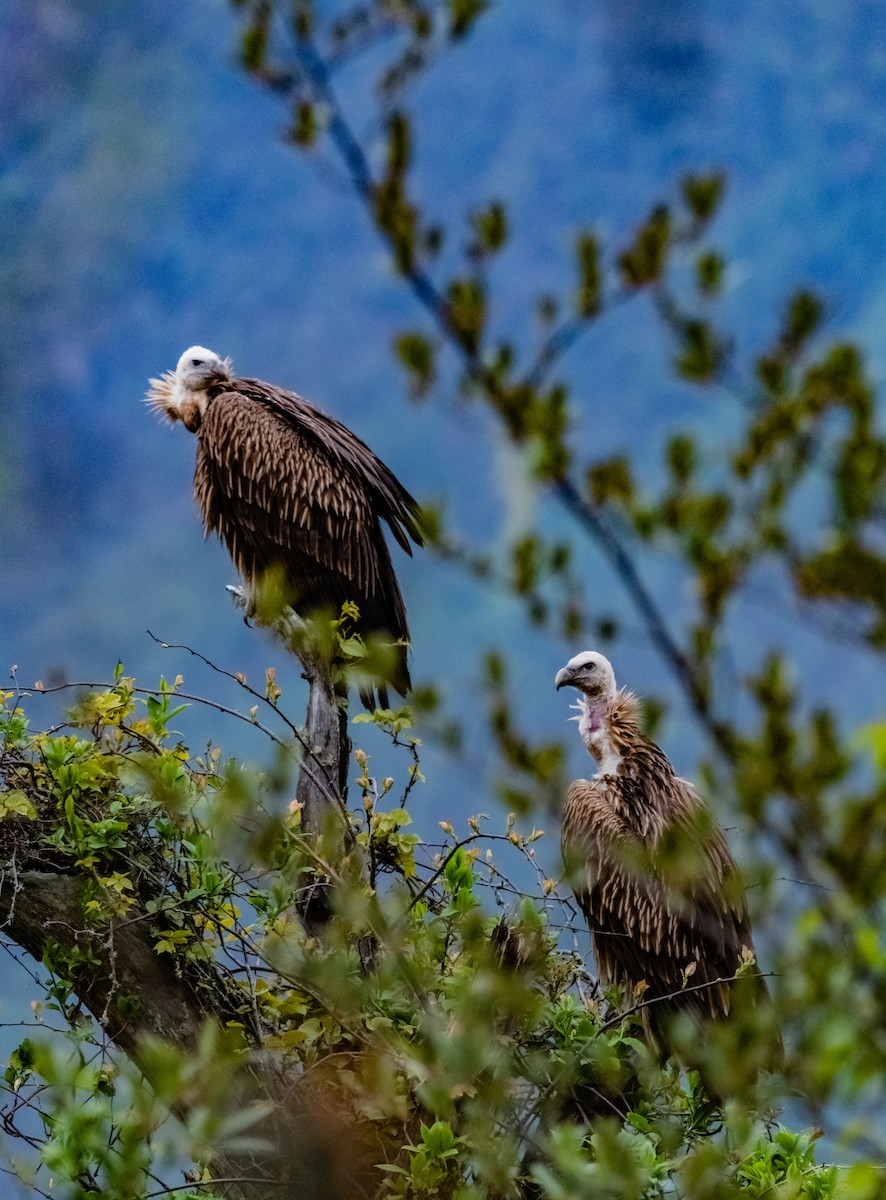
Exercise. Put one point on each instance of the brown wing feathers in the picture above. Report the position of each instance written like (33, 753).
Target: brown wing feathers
(644, 926)
(342, 448)
(655, 879)
(286, 486)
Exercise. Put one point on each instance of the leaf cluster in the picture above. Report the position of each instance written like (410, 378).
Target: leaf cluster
(474, 1058)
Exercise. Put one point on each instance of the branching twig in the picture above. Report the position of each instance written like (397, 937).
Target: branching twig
(429, 296)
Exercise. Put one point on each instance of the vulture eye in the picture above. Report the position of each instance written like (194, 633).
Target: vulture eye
(591, 666)
(196, 362)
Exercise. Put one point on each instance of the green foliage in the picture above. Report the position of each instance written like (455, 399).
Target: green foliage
(395, 213)
(463, 14)
(644, 261)
(804, 315)
(305, 127)
(466, 310)
(432, 1166)
(254, 40)
(416, 353)
(490, 228)
(475, 1049)
(709, 272)
(786, 1166)
(701, 354)
(702, 194)
(610, 481)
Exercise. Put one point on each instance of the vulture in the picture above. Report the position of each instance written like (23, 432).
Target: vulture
(650, 867)
(291, 490)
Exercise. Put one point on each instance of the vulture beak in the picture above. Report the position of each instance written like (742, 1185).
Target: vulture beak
(563, 677)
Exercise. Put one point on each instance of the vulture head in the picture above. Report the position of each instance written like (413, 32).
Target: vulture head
(181, 395)
(591, 673)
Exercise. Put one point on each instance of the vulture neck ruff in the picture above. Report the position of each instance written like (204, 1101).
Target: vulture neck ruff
(606, 726)
(183, 394)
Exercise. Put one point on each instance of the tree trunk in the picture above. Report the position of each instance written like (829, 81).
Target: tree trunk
(323, 780)
(137, 995)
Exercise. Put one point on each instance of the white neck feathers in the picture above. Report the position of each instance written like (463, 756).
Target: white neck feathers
(596, 733)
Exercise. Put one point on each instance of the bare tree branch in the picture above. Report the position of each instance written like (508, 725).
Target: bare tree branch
(564, 489)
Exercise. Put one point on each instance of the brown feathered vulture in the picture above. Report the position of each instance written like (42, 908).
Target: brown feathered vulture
(290, 489)
(649, 865)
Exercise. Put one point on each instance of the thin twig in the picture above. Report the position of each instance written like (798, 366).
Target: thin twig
(695, 987)
(251, 691)
(213, 704)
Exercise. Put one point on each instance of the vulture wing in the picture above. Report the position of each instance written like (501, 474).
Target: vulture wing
(286, 486)
(659, 895)
(390, 500)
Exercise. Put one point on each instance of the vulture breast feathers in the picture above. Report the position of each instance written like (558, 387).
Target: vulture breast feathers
(290, 489)
(649, 865)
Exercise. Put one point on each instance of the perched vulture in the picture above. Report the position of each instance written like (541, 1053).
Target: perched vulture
(649, 865)
(289, 489)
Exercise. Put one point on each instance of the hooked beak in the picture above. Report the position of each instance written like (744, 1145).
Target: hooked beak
(563, 677)
(214, 377)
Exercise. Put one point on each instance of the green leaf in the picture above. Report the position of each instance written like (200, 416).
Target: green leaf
(417, 354)
(702, 353)
(467, 311)
(804, 315)
(709, 269)
(254, 41)
(352, 647)
(490, 227)
(305, 126)
(702, 194)
(610, 480)
(644, 261)
(463, 14)
(17, 804)
(399, 144)
(682, 457)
